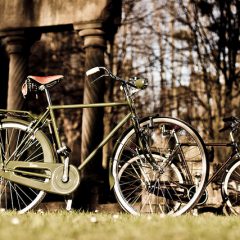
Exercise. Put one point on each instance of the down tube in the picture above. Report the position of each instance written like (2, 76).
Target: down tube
(104, 141)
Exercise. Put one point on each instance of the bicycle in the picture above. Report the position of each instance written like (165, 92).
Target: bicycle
(158, 165)
(229, 172)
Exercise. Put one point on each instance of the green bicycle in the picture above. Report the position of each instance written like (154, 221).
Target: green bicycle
(158, 165)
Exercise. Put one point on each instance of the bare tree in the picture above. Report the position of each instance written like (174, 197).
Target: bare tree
(214, 29)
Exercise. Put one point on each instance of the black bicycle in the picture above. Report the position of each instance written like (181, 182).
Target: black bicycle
(227, 176)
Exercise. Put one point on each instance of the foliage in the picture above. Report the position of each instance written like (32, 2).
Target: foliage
(215, 26)
(189, 50)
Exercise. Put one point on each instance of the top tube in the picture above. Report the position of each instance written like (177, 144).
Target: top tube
(89, 105)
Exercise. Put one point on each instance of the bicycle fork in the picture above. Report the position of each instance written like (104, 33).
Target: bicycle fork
(143, 143)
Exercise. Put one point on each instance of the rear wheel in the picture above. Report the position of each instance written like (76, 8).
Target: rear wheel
(231, 189)
(177, 185)
(19, 143)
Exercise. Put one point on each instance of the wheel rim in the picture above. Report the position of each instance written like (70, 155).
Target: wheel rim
(232, 188)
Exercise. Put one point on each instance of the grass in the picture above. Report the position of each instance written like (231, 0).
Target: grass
(100, 226)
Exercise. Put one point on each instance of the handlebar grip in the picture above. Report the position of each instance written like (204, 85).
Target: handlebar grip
(92, 71)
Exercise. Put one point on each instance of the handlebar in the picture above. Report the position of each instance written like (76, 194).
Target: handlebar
(135, 82)
(230, 123)
(92, 71)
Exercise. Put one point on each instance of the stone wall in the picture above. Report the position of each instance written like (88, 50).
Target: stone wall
(21, 14)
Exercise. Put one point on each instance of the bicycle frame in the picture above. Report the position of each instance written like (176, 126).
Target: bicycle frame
(51, 109)
(61, 170)
(49, 115)
(225, 164)
(131, 115)
(49, 118)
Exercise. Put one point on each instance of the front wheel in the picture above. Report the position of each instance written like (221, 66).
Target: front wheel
(181, 156)
(19, 143)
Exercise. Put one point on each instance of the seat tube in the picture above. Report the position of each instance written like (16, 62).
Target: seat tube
(53, 119)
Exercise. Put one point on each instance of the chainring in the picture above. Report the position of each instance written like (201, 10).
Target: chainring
(65, 187)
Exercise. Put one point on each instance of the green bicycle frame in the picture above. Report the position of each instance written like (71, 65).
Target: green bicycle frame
(49, 118)
(63, 167)
(81, 106)
(49, 114)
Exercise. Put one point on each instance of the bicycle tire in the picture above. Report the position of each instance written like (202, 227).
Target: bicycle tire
(231, 188)
(162, 133)
(16, 143)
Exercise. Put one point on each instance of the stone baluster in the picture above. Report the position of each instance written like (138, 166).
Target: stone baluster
(94, 45)
(3, 77)
(17, 45)
(92, 121)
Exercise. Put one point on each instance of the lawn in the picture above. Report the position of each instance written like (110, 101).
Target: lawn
(77, 225)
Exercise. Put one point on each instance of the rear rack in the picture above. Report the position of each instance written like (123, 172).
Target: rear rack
(4, 113)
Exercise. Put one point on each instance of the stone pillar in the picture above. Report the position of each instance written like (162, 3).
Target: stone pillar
(3, 77)
(17, 45)
(94, 45)
(92, 121)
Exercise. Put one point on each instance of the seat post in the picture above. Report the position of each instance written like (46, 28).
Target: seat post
(47, 95)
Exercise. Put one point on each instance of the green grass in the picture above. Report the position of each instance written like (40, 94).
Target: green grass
(76, 225)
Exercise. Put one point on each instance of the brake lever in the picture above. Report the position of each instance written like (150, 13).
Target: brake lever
(107, 74)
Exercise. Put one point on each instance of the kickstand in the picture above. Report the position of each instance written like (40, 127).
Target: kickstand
(68, 201)
(195, 211)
